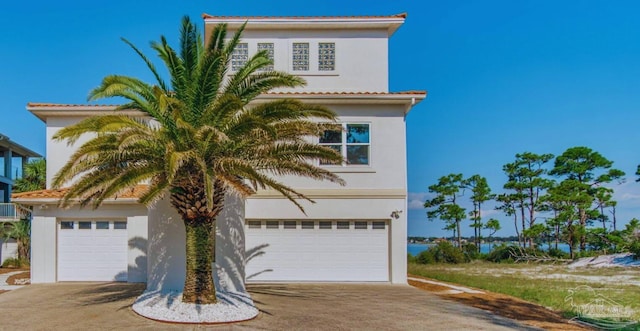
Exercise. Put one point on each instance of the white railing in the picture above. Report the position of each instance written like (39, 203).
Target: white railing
(12, 211)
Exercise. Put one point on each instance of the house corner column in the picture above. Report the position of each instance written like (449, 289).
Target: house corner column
(399, 246)
(43, 249)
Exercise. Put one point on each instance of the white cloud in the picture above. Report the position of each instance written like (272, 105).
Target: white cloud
(627, 193)
(416, 199)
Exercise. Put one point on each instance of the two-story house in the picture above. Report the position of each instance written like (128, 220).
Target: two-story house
(355, 232)
(13, 157)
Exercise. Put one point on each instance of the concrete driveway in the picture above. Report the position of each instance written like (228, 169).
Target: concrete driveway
(106, 306)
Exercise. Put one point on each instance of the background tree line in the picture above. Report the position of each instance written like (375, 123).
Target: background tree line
(566, 198)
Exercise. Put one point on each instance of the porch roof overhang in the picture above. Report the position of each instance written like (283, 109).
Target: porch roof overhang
(406, 98)
(53, 196)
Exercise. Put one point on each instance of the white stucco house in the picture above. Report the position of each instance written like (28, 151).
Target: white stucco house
(353, 233)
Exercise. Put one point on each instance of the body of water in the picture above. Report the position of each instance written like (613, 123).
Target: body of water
(415, 249)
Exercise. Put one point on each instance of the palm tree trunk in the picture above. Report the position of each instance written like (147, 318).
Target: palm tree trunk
(198, 285)
(189, 199)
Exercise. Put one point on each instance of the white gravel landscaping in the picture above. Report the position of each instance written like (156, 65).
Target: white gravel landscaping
(168, 306)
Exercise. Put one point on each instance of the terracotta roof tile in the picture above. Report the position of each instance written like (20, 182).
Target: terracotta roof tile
(134, 193)
(207, 16)
(45, 105)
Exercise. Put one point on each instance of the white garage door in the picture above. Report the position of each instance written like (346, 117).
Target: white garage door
(317, 251)
(92, 251)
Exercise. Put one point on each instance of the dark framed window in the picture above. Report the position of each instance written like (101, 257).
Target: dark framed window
(352, 142)
(102, 225)
(67, 225)
(325, 225)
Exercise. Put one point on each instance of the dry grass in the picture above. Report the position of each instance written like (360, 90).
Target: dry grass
(546, 285)
(504, 305)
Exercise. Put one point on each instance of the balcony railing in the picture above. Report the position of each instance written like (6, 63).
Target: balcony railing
(13, 212)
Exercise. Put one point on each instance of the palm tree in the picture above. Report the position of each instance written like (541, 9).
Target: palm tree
(206, 139)
(20, 231)
(34, 177)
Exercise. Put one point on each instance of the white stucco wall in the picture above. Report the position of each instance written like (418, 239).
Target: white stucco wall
(44, 231)
(43, 249)
(167, 255)
(361, 57)
(58, 152)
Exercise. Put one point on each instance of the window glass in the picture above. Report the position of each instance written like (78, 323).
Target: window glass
(120, 225)
(102, 225)
(272, 224)
(325, 225)
(66, 225)
(300, 56)
(289, 224)
(84, 225)
(358, 154)
(343, 225)
(239, 56)
(378, 225)
(326, 56)
(255, 224)
(361, 225)
(353, 143)
(307, 225)
(269, 48)
(331, 137)
(357, 133)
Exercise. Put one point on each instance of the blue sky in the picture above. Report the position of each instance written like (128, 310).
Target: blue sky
(503, 77)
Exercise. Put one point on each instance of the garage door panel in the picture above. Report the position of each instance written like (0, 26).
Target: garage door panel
(319, 254)
(92, 254)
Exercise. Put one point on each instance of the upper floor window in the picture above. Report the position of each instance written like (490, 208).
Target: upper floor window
(239, 56)
(326, 56)
(352, 142)
(300, 56)
(269, 48)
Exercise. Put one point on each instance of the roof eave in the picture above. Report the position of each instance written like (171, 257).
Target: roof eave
(405, 99)
(17, 148)
(55, 201)
(44, 111)
(390, 23)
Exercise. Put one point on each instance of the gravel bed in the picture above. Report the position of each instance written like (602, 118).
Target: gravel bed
(168, 306)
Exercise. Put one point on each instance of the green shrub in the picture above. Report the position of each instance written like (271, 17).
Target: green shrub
(635, 248)
(411, 258)
(471, 252)
(426, 257)
(502, 253)
(558, 253)
(14, 262)
(443, 252)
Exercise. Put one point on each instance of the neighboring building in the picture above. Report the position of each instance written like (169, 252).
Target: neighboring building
(10, 152)
(353, 233)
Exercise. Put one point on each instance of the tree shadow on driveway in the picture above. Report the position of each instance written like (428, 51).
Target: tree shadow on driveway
(103, 293)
